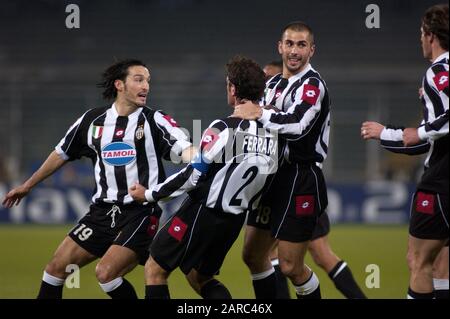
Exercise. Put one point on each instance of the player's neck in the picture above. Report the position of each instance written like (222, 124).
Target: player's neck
(436, 52)
(124, 108)
(287, 74)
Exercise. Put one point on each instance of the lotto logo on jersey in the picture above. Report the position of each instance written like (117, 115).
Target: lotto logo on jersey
(118, 154)
(209, 139)
(441, 80)
(310, 94)
(177, 229)
(304, 205)
(425, 203)
(170, 120)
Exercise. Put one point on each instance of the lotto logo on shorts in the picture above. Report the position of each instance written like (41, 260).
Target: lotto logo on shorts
(177, 229)
(425, 203)
(304, 205)
(153, 226)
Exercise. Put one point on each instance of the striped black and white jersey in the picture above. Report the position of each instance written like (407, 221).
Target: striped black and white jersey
(433, 130)
(236, 160)
(124, 149)
(304, 117)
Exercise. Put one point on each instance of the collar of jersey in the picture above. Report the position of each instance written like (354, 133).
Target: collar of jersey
(299, 75)
(132, 115)
(442, 56)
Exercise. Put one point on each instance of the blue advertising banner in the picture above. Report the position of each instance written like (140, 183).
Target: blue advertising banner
(385, 202)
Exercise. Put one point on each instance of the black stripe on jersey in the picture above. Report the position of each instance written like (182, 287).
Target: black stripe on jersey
(96, 142)
(141, 153)
(274, 81)
(435, 100)
(437, 124)
(393, 127)
(174, 184)
(399, 147)
(120, 171)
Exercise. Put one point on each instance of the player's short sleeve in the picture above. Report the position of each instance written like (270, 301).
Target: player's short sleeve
(72, 146)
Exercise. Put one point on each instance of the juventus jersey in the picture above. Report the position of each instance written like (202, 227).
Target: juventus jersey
(433, 130)
(124, 149)
(304, 117)
(236, 160)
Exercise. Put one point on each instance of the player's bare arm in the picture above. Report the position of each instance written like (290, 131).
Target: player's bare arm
(51, 165)
(410, 136)
(371, 130)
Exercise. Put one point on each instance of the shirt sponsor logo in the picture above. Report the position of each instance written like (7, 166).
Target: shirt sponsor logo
(118, 154)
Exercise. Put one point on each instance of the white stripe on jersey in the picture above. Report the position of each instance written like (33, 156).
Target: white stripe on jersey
(107, 136)
(151, 154)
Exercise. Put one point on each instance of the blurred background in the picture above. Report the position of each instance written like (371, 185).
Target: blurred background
(49, 74)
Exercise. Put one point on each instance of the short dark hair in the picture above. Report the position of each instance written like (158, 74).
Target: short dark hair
(247, 76)
(435, 21)
(299, 26)
(117, 71)
(277, 63)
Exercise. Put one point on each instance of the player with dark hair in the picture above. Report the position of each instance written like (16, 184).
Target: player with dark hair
(224, 182)
(297, 105)
(273, 68)
(125, 141)
(428, 226)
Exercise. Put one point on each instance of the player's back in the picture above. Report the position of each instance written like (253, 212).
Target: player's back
(244, 157)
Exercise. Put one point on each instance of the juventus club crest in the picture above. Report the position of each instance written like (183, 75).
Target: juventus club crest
(140, 132)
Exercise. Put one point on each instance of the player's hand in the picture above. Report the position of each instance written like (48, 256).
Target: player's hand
(371, 130)
(137, 191)
(410, 136)
(15, 196)
(421, 92)
(247, 111)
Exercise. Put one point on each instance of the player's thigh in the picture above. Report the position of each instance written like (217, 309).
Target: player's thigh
(69, 253)
(423, 251)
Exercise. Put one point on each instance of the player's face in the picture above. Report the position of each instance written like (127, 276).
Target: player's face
(137, 85)
(426, 44)
(271, 70)
(231, 99)
(296, 50)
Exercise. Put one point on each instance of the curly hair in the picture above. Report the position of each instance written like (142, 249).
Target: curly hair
(247, 76)
(435, 21)
(117, 71)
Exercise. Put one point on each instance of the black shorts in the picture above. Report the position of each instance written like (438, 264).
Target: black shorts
(297, 197)
(260, 219)
(429, 216)
(132, 226)
(197, 238)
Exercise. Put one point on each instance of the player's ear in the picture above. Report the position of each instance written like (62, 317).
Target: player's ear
(119, 85)
(232, 90)
(280, 47)
(313, 49)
